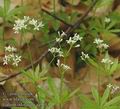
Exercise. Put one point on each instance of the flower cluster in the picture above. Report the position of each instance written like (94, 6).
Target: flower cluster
(63, 66)
(56, 51)
(73, 40)
(100, 43)
(26, 23)
(106, 61)
(11, 56)
(84, 56)
(114, 88)
(60, 38)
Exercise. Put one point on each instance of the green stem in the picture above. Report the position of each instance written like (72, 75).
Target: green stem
(69, 50)
(99, 86)
(61, 86)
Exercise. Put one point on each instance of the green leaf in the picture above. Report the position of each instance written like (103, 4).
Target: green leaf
(105, 96)
(6, 6)
(15, 11)
(114, 67)
(113, 101)
(96, 95)
(56, 25)
(53, 89)
(42, 93)
(102, 3)
(114, 30)
(87, 102)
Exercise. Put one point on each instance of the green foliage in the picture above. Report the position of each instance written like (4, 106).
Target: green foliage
(100, 102)
(52, 94)
(8, 14)
(36, 75)
(102, 68)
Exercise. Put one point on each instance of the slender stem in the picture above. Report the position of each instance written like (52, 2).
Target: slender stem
(69, 50)
(99, 85)
(61, 86)
(21, 39)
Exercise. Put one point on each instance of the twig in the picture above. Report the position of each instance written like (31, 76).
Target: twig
(57, 18)
(68, 32)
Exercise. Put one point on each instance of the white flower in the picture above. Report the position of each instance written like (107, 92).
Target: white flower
(10, 49)
(12, 57)
(59, 40)
(106, 61)
(105, 46)
(55, 50)
(38, 26)
(62, 34)
(114, 88)
(6, 59)
(71, 41)
(109, 86)
(100, 44)
(74, 39)
(78, 45)
(58, 63)
(107, 20)
(98, 41)
(77, 37)
(26, 18)
(19, 25)
(84, 56)
(22, 24)
(65, 67)
(33, 22)
(16, 60)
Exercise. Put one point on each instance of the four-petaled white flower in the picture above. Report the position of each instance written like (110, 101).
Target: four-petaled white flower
(16, 60)
(11, 56)
(6, 59)
(10, 49)
(84, 56)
